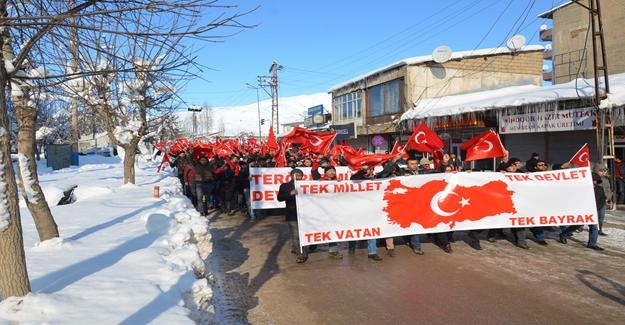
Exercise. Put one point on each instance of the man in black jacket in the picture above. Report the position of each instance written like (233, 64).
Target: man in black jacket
(287, 193)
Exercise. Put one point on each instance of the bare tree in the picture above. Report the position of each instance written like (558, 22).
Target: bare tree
(39, 33)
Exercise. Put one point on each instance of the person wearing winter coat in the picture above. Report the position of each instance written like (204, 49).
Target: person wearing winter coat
(602, 172)
(593, 230)
(287, 194)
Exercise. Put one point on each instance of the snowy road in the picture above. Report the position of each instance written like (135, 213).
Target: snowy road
(258, 282)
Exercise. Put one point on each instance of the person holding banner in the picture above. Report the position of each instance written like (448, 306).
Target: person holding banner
(538, 165)
(412, 168)
(363, 174)
(287, 194)
(329, 174)
(593, 230)
(510, 166)
(601, 171)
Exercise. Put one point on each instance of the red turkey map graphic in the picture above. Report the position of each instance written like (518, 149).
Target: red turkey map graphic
(437, 202)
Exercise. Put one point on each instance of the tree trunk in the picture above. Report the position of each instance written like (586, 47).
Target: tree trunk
(129, 162)
(29, 181)
(13, 273)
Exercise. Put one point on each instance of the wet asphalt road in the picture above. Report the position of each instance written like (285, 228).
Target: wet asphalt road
(257, 281)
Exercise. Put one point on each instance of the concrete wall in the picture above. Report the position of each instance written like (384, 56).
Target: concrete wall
(474, 74)
(570, 24)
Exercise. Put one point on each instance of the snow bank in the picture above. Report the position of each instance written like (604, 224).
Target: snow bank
(123, 257)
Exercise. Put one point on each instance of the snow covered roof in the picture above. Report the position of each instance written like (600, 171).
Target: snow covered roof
(428, 58)
(515, 96)
(549, 14)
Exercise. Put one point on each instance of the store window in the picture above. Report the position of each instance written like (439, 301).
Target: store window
(385, 98)
(347, 107)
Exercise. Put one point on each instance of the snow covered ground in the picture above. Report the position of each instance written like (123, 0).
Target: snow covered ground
(123, 257)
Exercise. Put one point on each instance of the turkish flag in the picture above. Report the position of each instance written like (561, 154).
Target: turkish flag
(320, 143)
(310, 141)
(424, 139)
(272, 144)
(438, 202)
(202, 150)
(356, 161)
(397, 148)
(280, 157)
(582, 157)
(222, 149)
(485, 145)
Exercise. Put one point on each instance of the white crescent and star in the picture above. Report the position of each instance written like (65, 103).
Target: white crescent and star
(583, 157)
(317, 143)
(490, 146)
(434, 203)
(416, 137)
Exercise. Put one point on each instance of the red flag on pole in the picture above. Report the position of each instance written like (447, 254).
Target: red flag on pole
(485, 145)
(582, 156)
(397, 148)
(424, 139)
(272, 144)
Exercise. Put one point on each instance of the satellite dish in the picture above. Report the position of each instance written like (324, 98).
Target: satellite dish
(544, 27)
(545, 67)
(548, 47)
(516, 42)
(441, 54)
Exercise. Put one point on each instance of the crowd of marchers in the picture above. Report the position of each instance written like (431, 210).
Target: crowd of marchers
(223, 183)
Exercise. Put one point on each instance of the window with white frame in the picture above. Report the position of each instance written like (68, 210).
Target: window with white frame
(347, 107)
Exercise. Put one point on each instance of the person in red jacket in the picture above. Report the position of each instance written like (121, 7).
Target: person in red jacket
(189, 183)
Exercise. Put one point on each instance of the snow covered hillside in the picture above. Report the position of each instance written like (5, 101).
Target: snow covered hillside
(124, 257)
(237, 119)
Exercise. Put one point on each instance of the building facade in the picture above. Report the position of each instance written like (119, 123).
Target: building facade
(374, 102)
(571, 36)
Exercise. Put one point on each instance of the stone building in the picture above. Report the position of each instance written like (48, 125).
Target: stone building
(375, 101)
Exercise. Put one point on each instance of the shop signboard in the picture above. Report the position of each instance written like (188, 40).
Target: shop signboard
(548, 121)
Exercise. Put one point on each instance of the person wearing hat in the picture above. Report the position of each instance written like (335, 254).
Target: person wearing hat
(287, 194)
(593, 230)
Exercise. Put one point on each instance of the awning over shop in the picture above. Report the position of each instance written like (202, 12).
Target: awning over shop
(516, 96)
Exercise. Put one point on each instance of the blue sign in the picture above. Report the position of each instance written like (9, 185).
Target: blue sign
(377, 141)
(344, 132)
(317, 110)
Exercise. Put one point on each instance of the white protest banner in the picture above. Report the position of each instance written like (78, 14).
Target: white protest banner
(354, 210)
(265, 183)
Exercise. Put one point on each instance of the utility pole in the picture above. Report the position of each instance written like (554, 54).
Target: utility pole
(271, 82)
(194, 109)
(260, 135)
(605, 128)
